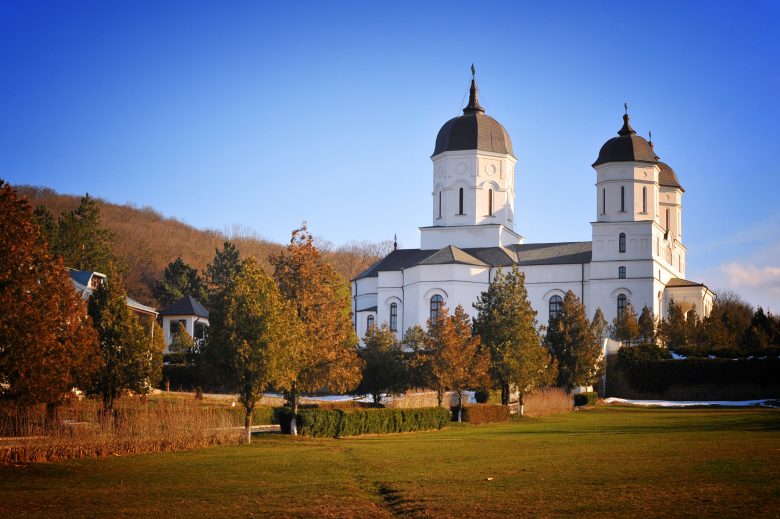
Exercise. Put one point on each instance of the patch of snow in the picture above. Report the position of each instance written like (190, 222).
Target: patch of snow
(689, 403)
(677, 356)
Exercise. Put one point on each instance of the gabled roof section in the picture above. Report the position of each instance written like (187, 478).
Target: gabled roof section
(554, 253)
(186, 305)
(452, 254)
(680, 282)
(86, 292)
(565, 253)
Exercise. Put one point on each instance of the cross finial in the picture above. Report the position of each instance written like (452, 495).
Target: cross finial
(650, 133)
(395, 241)
(625, 105)
(473, 71)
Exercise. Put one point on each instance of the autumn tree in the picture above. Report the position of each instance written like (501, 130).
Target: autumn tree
(258, 335)
(130, 358)
(78, 236)
(321, 299)
(457, 361)
(47, 343)
(646, 323)
(723, 328)
(181, 341)
(384, 366)
(507, 324)
(673, 329)
(179, 279)
(599, 326)
(625, 327)
(571, 340)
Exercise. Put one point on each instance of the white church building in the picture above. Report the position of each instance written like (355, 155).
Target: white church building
(636, 252)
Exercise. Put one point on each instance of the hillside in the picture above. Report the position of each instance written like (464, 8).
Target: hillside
(148, 241)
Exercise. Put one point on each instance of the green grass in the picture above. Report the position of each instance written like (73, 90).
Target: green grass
(608, 462)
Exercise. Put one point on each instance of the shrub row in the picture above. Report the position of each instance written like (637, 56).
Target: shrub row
(180, 376)
(335, 423)
(658, 374)
(587, 398)
(482, 413)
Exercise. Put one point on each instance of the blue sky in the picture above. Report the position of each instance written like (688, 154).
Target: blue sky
(267, 114)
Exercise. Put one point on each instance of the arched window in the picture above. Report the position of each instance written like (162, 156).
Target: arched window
(394, 317)
(644, 200)
(622, 272)
(460, 201)
(556, 306)
(369, 321)
(667, 219)
(490, 202)
(622, 242)
(622, 303)
(622, 199)
(439, 204)
(436, 302)
(603, 201)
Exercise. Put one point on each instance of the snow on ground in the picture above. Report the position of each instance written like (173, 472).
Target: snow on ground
(689, 403)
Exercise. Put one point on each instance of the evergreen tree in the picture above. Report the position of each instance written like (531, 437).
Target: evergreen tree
(646, 324)
(47, 343)
(226, 264)
(321, 300)
(625, 327)
(571, 340)
(79, 237)
(507, 324)
(384, 366)
(179, 279)
(181, 341)
(130, 358)
(456, 359)
(257, 335)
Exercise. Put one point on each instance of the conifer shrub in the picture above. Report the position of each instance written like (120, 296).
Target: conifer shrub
(482, 396)
(336, 423)
(587, 398)
(482, 413)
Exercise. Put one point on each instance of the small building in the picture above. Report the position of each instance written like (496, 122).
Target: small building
(190, 314)
(86, 281)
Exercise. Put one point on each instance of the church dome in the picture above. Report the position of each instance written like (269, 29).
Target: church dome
(667, 177)
(473, 130)
(626, 147)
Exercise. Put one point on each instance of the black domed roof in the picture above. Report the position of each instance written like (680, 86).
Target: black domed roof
(667, 177)
(473, 130)
(626, 147)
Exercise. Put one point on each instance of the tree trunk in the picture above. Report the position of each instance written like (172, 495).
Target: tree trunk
(294, 405)
(51, 415)
(377, 398)
(460, 405)
(439, 396)
(504, 393)
(520, 400)
(248, 425)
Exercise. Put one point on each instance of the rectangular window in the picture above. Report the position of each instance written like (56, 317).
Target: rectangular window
(644, 200)
(622, 272)
(622, 199)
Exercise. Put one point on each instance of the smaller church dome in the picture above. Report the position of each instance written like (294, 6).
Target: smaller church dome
(667, 177)
(626, 147)
(473, 130)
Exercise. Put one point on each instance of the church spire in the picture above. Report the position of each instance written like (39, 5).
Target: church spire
(626, 129)
(473, 106)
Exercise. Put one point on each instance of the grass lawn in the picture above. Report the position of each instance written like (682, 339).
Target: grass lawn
(613, 462)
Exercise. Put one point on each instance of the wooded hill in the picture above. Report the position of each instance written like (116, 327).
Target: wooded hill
(146, 242)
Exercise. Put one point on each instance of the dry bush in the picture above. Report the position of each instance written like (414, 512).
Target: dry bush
(79, 429)
(547, 401)
(423, 398)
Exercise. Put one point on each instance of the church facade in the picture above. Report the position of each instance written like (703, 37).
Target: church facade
(635, 254)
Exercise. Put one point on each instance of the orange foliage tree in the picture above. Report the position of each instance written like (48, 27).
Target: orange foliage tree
(328, 356)
(47, 343)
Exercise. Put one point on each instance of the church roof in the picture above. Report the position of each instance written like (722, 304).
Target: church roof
(626, 147)
(680, 282)
(186, 305)
(564, 253)
(667, 176)
(473, 130)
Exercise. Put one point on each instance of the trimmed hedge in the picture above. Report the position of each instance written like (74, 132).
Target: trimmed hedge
(587, 398)
(657, 375)
(181, 376)
(482, 413)
(335, 423)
